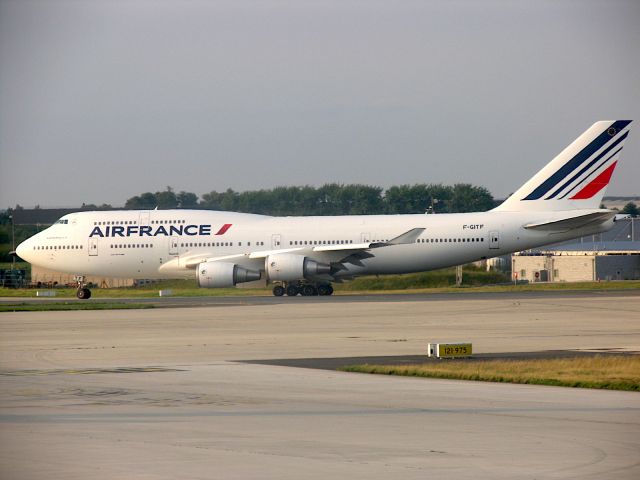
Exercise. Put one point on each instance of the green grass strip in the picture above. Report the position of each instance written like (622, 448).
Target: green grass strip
(387, 287)
(611, 372)
(77, 305)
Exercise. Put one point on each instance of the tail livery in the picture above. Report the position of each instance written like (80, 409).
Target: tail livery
(577, 178)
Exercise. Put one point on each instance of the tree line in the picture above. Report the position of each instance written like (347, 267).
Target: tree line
(329, 199)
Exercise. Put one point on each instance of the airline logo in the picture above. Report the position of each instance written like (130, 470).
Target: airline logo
(154, 231)
(588, 171)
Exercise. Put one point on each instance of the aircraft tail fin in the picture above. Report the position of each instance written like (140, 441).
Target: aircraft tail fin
(577, 178)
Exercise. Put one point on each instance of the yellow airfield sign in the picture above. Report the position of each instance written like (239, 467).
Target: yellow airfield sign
(448, 350)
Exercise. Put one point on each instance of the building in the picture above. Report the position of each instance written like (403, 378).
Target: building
(574, 264)
(612, 255)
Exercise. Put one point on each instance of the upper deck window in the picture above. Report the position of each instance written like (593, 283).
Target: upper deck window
(63, 221)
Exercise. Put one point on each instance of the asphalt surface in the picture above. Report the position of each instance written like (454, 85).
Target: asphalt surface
(210, 392)
(339, 362)
(173, 302)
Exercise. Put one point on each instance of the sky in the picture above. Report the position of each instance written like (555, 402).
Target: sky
(104, 100)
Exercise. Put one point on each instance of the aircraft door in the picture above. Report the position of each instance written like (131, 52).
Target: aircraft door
(93, 247)
(494, 240)
(365, 237)
(144, 218)
(276, 241)
(173, 245)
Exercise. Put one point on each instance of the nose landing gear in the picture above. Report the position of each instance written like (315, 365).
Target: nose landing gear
(83, 293)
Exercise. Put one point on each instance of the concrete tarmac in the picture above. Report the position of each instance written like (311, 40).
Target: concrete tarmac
(169, 393)
(267, 299)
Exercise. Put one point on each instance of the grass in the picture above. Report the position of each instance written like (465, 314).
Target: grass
(181, 288)
(611, 372)
(438, 281)
(48, 307)
(434, 279)
(526, 287)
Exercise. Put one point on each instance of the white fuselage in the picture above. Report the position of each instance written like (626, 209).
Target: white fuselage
(222, 249)
(136, 244)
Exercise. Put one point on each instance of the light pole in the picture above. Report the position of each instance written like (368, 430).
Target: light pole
(13, 242)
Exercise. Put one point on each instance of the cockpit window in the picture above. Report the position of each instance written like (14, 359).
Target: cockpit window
(62, 221)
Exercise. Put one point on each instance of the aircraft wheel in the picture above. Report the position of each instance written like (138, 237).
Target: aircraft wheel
(323, 290)
(292, 290)
(309, 291)
(278, 290)
(83, 293)
(330, 288)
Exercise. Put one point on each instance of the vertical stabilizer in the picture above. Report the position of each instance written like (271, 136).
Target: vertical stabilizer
(577, 178)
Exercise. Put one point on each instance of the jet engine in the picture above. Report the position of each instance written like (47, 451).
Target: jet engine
(223, 274)
(287, 267)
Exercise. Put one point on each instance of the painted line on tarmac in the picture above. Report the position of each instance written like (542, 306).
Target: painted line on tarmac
(88, 371)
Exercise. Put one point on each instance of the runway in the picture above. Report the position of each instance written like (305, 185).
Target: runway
(243, 300)
(177, 393)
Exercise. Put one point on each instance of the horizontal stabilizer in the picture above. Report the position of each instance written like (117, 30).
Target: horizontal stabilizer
(572, 223)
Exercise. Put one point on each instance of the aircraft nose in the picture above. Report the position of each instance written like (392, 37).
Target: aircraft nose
(22, 250)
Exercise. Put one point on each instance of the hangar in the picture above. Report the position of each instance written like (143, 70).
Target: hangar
(575, 264)
(612, 255)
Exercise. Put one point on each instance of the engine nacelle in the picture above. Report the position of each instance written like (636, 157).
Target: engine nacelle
(287, 267)
(223, 274)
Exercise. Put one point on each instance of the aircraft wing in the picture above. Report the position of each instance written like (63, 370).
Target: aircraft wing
(337, 255)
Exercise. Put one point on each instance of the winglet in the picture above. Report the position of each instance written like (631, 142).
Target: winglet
(407, 237)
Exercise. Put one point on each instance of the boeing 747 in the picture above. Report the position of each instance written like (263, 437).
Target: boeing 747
(305, 255)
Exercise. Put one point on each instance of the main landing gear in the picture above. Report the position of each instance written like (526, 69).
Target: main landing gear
(304, 289)
(83, 293)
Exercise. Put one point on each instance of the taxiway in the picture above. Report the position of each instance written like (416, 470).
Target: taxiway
(187, 392)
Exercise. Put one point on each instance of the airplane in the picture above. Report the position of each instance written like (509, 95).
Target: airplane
(305, 255)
